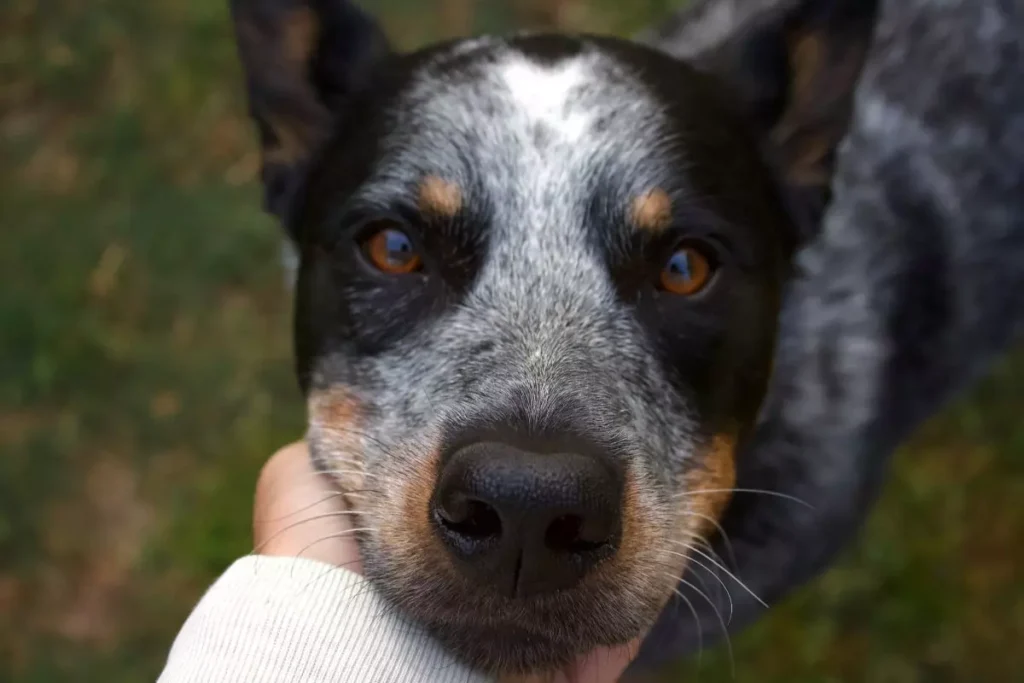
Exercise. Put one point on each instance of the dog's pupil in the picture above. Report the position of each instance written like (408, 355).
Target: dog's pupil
(679, 265)
(398, 246)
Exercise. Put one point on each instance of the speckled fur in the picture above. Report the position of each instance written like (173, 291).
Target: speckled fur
(542, 336)
(907, 287)
(912, 288)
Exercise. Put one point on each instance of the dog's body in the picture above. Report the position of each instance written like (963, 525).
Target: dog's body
(540, 286)
(912, 287)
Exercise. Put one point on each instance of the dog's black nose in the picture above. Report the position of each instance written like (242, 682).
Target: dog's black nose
(523, 522)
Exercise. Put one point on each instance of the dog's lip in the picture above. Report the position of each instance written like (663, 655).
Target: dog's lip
(510, 651)
(527, 648)
(536, 617)
(518, 630)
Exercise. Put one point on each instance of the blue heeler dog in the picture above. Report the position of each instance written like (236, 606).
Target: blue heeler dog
(591, 323)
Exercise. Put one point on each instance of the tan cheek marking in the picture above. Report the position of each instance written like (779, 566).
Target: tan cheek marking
(718, 477)
(440, 197)
(409, 533)
(652, 211)
(334, 420)
(640, 566)
(637, 537)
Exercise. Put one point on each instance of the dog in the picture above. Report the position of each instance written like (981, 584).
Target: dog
(907, 290)
(566, 305)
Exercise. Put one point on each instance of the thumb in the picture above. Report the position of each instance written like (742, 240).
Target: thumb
(299, 513)
(603, 665)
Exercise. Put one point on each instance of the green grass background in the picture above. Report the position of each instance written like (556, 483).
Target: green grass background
(145, 374)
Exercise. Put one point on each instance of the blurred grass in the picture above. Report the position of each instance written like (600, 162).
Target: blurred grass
(145, 374)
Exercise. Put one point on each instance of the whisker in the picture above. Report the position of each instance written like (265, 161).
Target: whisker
(327, 571)
(340, 534)
(713, 573)
(320, 475)
(776, 494)
(721, 532)
(301, 509)
(700, 629)
(703, 583)
(341, 463)
(721, 623)
(358, 473)
(349, 431)
(722, 567)
(344, 456)
(332, 458)
(712, 569)
(337, 513)
(385, 449)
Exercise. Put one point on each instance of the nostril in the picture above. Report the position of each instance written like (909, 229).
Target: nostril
(568, 534)
(470, 518)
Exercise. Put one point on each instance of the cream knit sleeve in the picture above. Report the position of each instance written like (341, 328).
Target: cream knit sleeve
(281, 619)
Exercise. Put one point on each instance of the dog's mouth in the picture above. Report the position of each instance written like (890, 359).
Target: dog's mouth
(522, 555)
(534, 638)
(541, 606)
(509, 634)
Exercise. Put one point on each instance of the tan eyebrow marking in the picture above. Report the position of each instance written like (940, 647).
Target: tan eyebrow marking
(439, 197)
(652, 211)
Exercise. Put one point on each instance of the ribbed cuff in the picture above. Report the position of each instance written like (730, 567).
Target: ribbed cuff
(281, 619)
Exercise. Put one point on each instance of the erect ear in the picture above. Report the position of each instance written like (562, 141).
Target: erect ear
(302, 60)
(793, 64)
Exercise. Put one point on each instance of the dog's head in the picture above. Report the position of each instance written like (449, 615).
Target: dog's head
(536, 310)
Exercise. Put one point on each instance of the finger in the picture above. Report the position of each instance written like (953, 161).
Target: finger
(297, 512)
(604, 665)
(554, 677)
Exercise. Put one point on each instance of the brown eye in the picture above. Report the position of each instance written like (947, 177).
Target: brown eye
(687, 272)
(391, 251)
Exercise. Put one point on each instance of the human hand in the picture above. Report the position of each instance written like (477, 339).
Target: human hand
(299, 513)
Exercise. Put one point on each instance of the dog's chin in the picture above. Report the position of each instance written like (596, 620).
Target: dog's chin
(500, 635)
(509, 649)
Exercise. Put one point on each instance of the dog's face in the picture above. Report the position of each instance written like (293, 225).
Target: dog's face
(536, 309)
(537, 303)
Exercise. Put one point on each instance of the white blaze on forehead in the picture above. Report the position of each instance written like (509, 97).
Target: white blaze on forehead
(545, 93)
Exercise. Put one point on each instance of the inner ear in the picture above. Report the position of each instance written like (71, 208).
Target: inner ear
(793, 68)
(826, 47)
(303, 61)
